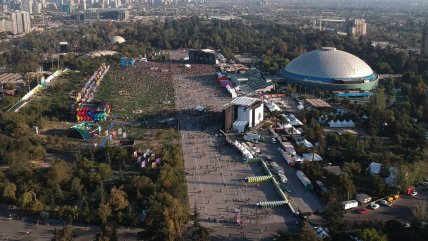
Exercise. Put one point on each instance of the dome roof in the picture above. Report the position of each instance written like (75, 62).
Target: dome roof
(328, 63)
(117, 39)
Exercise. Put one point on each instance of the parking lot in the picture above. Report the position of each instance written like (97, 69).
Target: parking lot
(401, 209)
(214, 169)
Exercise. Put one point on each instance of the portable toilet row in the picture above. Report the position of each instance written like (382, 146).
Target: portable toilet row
(258, 179)
(271, 204)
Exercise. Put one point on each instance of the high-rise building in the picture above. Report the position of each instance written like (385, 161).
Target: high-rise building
(4, 8)
(83, 5)
(72, 6)
(37, 8)
(27, 6)
(356, 27)
(20, 22)
(424, 43)
(2, 25)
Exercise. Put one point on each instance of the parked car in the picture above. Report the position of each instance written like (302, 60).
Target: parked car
(385, 203)
(286, 188)
(321, 232)
(282, 178)
(363, 211)
(374, 206)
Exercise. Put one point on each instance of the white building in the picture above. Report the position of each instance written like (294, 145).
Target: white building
(19, 23)
(27, 6)
(249, 112)
(37, 8)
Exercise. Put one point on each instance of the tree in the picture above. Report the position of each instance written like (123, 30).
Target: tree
(378, 100)
(37, 206)
(105, 171)
(76, 188)
(104, 212)
(333, 216)
(69, 213)
(26, 200)
(59, 173)
(108, 233)
(348, 187)
(9, 191)
(351, 168)
(371, 234)
(199, 233)
(165, 219)
(307, 234)
(384, 171)
(65, 234)
(118, 200)
(143, 187)
(378, 185)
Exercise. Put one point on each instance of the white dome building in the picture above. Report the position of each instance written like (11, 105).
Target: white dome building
(331, 69)
(117, 39)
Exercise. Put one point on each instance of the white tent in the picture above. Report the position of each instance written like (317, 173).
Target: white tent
(341, 124)
(374, 168)
(271, 106)
(305, 143)
(231, 91)
(310, 156)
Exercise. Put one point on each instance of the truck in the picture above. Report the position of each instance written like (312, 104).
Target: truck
(252, 137)
(349, 204)
(363, 198)
(305, 180)
(288, 158)
(278, 170)
(288, 147)
(253, 147)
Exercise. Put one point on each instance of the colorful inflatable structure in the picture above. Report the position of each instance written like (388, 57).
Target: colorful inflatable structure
(95, 111)
(83, 130)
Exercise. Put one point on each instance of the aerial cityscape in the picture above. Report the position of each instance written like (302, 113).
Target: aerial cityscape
(214, 120)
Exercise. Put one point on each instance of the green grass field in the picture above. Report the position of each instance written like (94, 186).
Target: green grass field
(130, 89)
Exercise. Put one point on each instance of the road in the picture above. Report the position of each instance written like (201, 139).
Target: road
(26, 229)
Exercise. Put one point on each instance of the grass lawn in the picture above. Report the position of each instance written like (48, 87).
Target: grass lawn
(132, 89)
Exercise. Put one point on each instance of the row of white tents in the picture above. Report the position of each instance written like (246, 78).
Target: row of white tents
(246, 153)
(341, 124)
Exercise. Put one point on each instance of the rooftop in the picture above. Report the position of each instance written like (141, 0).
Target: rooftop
(245, 101)
(318, 103)
(329, 63)
(12, 78)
